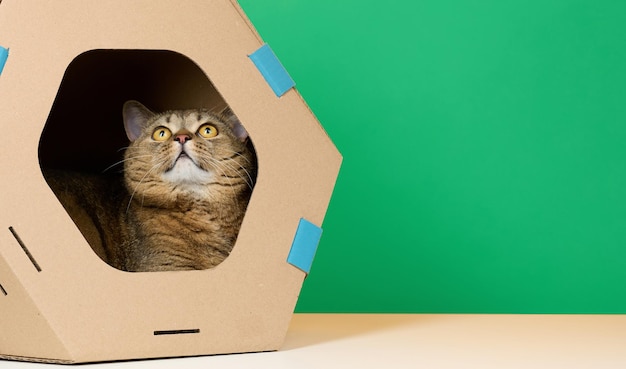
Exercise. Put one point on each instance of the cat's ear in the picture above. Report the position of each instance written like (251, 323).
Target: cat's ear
(235, 124)
(136, 117)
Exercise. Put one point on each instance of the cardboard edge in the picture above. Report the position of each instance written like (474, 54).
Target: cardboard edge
(28, 359)
(28, 324)
(245, 18)
(250, 25)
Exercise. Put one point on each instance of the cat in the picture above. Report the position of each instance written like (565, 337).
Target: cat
(187, 179)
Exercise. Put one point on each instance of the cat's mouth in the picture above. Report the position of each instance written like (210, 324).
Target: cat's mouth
(181, 158)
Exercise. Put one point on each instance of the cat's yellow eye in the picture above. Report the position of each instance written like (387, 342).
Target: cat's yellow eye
(161, 134)
(207, 131)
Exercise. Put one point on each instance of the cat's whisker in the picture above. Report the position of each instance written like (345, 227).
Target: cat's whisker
(123, 161)
(224, 167)
(251, 181)
(132, 196)
(220, 164)
(239, 154)
(217, 167)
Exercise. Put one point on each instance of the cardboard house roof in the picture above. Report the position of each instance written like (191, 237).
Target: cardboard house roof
(67, 65)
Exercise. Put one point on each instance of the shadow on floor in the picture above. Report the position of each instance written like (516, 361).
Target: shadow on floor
(313, 329)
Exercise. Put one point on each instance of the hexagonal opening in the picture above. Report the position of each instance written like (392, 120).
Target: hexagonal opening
(82, 156)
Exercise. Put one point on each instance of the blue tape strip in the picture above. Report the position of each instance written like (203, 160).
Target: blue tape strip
(4, 54)
(304, 245)
(272, 70)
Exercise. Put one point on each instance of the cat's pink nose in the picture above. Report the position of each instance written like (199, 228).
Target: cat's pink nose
(182, 138)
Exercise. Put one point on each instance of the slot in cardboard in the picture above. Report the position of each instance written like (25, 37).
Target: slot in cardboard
(176, 331)
(25, 249)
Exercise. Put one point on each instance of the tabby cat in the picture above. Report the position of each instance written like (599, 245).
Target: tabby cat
(187, 179)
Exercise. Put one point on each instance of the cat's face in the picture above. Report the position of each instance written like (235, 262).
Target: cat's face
(189, 152)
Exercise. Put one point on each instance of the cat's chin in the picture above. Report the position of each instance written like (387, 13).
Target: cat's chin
(186, 172)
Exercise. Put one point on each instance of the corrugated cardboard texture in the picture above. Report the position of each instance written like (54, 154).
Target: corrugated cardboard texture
(77, 308)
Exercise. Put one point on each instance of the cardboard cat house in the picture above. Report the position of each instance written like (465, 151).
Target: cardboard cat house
(65, 69)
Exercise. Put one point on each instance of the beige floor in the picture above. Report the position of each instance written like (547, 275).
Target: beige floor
(426, 341)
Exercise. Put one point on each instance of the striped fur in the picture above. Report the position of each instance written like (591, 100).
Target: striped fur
(182, 199)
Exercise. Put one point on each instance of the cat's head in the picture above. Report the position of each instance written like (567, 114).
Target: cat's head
(194, 153)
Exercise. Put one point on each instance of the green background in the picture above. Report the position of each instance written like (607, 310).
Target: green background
(483, 144)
